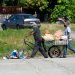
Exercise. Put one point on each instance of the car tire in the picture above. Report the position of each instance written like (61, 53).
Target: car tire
(4, 27)
(17, 26)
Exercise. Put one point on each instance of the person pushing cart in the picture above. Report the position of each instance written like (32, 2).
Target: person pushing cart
(38, 41)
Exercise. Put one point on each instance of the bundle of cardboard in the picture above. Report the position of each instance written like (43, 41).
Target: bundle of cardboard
(48, 37)
(57, 36)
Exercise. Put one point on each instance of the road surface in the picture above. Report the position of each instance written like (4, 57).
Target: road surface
(36, 66)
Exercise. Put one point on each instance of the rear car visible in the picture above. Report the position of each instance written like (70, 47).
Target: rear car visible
(20, 21)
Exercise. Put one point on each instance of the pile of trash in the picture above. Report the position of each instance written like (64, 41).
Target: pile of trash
(15, 54)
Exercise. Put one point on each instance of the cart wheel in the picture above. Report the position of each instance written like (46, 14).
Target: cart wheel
(54, 52)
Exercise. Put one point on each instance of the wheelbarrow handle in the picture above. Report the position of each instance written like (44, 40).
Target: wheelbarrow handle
(26, 42)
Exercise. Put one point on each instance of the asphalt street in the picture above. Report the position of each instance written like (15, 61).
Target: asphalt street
(36, 66)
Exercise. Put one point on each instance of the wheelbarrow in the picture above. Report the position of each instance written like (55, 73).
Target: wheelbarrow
(54, 48)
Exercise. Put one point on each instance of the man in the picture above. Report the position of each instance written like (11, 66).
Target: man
(38, 42)
(67, 32)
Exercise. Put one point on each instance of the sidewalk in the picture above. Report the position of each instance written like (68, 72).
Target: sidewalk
(54, 66)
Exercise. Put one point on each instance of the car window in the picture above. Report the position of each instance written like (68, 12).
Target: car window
(12, 17)
(17, 17)
(28, 16)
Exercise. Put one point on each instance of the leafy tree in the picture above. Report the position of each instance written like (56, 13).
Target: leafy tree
(1, 1)
(9, 2)
(54, 8)
(39, 6)
(64, 7)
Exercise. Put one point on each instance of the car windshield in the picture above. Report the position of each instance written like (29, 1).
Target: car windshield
(12, 16)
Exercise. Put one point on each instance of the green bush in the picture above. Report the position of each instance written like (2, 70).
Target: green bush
(64, 7)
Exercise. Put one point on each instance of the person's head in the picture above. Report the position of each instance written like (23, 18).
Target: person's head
(65, 18)
(35, 27)
(65, 24)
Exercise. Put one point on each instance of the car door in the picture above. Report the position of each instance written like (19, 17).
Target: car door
(12, 22)
(19, 19)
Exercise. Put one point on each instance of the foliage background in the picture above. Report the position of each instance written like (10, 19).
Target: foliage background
(53, 8)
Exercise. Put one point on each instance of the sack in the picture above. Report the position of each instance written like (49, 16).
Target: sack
(64, 37)
(58, 34)
(48, 37)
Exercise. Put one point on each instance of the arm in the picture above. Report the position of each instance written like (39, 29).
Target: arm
(69, 32)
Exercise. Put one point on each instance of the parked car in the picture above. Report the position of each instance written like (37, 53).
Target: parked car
(20, 21)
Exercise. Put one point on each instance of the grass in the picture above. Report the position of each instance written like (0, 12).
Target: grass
(14, 39)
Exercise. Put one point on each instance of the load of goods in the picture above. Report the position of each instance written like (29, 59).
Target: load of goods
(58, 37)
